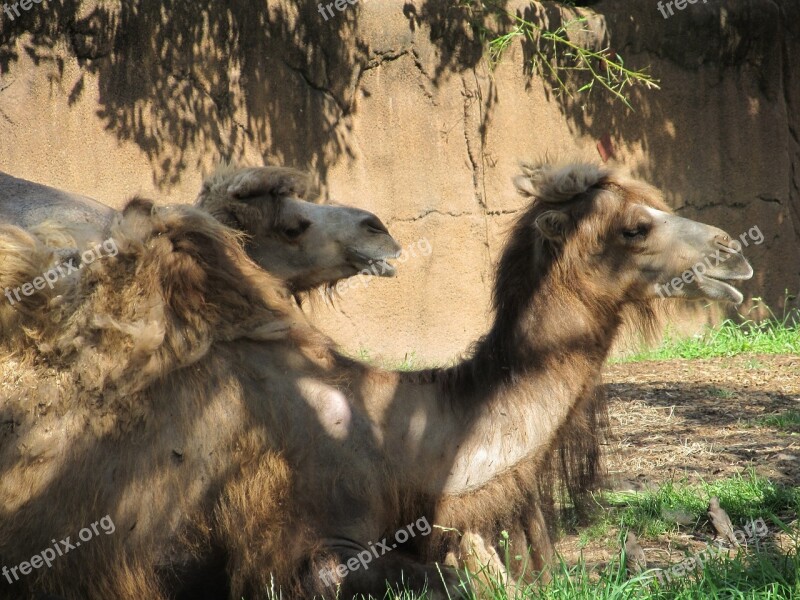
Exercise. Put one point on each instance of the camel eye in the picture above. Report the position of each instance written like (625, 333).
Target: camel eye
(293, 233)
(638, 233)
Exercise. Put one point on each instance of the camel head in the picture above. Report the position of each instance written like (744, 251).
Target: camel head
(621, 233)
(302, 242)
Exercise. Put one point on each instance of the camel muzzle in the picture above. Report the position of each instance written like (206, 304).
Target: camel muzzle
(710, 259)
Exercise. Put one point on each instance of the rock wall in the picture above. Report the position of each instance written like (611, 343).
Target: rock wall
(394, 108)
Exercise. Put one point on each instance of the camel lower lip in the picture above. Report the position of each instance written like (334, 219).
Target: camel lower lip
(386, 270)
(374, 265)
(722, 290)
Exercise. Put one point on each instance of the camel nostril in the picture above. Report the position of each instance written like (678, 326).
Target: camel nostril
(725, 242)
(374, 225)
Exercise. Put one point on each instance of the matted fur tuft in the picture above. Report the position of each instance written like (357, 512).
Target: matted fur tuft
(179, 282)
(242, 182)
(226, 192)
(558, 183)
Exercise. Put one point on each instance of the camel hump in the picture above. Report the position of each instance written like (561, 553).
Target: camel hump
(166, 284)
(26, 204)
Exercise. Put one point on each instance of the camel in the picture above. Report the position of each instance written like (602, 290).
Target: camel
(176, 389)
(289, 233)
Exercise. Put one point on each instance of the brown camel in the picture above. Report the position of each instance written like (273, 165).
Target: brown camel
(175, 389)
(290, 234)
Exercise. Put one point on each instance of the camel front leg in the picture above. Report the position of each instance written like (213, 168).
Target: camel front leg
(484, 563)
(541, 551)
(359, 573)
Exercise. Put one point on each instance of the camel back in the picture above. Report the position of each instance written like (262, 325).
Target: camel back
(25, 204)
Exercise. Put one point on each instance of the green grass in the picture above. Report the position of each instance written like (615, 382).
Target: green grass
(788, 421)
(758, 575)
(655, 513)
(770, 336)
(760, 572)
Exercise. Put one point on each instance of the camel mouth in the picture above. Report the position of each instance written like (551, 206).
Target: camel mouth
(376, 264)
(714, 283)
(718, 289)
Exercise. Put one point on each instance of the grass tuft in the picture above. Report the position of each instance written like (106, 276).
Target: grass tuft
(770, 336)
(665, 510)
(788, 421)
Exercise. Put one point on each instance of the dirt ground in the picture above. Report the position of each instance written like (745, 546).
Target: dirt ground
(695, 420)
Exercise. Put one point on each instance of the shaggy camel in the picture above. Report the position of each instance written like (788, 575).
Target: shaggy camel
(305, 243)
(175, 389)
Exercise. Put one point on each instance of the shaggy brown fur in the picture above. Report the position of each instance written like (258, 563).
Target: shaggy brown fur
(225, 436)
(86, 358)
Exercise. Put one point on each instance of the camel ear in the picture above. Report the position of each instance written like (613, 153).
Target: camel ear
(554, 225)
(244, 217)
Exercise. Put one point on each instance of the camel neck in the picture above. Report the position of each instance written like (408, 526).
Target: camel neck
(508, 401)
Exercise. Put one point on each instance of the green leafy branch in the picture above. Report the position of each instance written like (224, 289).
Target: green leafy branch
(556, 56)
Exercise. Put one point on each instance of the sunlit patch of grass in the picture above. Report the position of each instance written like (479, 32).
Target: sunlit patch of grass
(770, 336)
(652, 513)
(756, 576)
(788, 421)
(596, 531)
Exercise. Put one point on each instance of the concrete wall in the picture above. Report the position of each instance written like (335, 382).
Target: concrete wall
(394, 108)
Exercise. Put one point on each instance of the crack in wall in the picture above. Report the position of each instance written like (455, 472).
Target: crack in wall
(476, 156)
(343, 110)
(433, 211)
